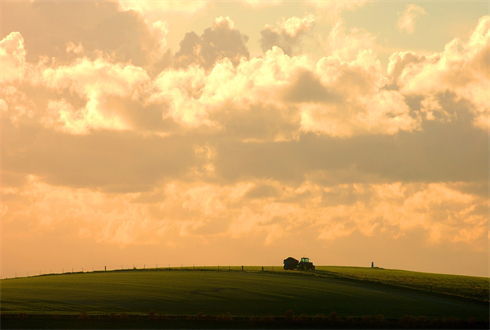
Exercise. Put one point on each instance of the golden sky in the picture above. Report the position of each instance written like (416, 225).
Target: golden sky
(244, 132)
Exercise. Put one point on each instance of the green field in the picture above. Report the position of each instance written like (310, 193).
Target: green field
(360, 291)
(463, 286)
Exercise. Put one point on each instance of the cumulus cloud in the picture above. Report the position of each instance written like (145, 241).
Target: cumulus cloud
(410, 15)
(13, 58)
(348, 99)
(347, 89)
(382, 113)
(287, 35)
(294, 25)
(94, 81)
(223, 40)
(462, 69)
(96, 27)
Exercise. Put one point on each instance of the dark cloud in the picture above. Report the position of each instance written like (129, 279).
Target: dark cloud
(270, 38)
(262, 191)
(439, 152)
(308, 88)
(142, 117)
(258, 122)
(48, 27)
(214, 44)
(107, 160)
(288, 36)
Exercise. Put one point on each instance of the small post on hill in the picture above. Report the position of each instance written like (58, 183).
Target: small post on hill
(105, 268)
(242, 268)
(372, 264)
(262, 268)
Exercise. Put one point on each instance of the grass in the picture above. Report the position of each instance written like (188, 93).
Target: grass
(464, 286)
(249, 293)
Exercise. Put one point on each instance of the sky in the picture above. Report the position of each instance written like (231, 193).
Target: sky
(243, 132)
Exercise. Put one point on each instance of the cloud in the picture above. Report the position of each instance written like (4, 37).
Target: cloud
(345, 101)
(223, 40)
(462, 69)
(382, 113)
(288, 34)
(409, 16)
(346, 87)
(204, 211)
(13, 58)
(92, 27)
(294, 25)
(94, 81)
(220, 150)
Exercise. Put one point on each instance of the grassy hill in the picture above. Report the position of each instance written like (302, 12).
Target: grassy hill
(348, 291)
(463, 286)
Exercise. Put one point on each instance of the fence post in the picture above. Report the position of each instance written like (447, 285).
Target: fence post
(242, 268)
(105, 268)
(262, 268)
